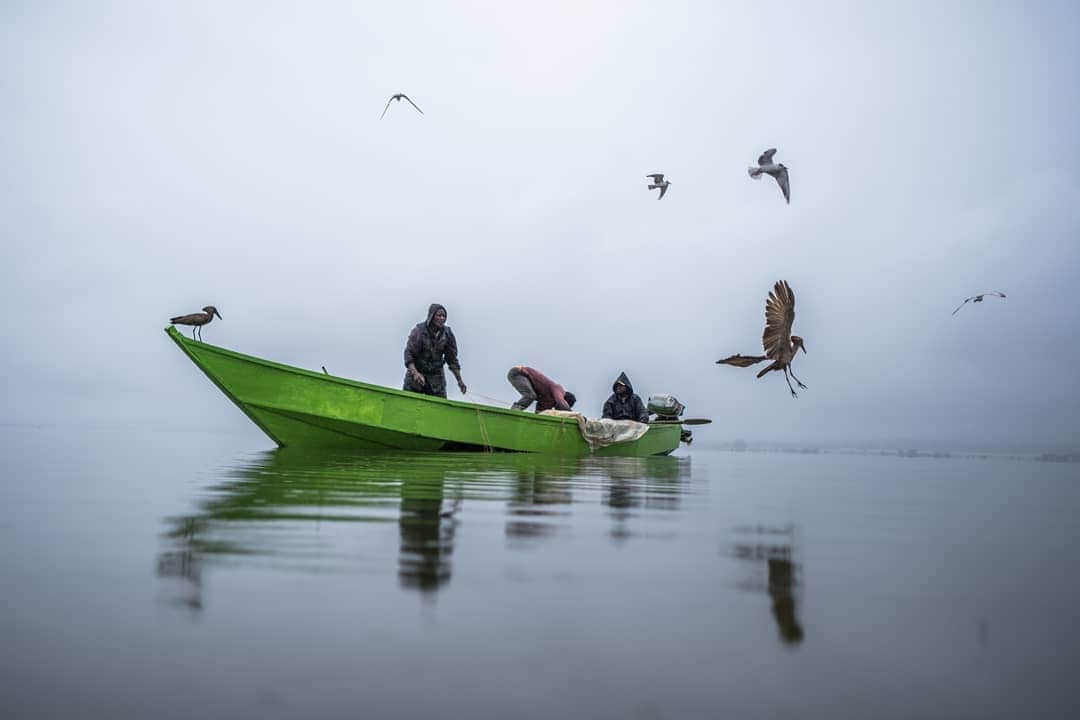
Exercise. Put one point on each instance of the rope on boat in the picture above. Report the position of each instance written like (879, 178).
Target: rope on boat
(483, 431)
(489, 399)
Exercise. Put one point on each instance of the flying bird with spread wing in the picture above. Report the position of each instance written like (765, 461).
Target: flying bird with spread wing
(780, 344)
(766, 166)
(197, 320)
(658, 181)
(978, 298)
(398, 97)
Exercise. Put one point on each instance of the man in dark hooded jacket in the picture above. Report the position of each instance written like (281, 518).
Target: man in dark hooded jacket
(623, 403)
(431, 344)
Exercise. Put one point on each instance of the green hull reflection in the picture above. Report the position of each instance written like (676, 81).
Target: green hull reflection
(269, 511)
(301, 408)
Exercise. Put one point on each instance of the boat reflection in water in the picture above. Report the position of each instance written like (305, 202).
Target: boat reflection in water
(309, 511)
(771, 549)
(539, 505)
(636, 484)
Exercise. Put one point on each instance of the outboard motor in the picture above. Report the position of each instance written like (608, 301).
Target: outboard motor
(667, 409)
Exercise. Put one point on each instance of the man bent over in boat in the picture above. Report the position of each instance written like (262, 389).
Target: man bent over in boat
(431, 345)
(536, 386)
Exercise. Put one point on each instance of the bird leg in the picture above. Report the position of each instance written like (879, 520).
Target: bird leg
(797, 380)
(193, 332)
(793, 393)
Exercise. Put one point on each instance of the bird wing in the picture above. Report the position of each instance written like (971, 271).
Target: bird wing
(188, 319)
(387, 107)
(742, 360)
(766, 157)
(412, 103)
(966, 301)
(779, 316)
(663, 189)
(657, 177)
(785, 185)
(994, 292)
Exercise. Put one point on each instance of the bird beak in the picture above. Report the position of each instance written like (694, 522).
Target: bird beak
(221, 318)
(803, 348)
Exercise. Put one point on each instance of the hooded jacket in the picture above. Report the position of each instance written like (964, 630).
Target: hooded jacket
(429, 348)
(626, 407)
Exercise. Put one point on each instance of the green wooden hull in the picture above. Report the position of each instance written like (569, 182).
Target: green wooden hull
(301, 408)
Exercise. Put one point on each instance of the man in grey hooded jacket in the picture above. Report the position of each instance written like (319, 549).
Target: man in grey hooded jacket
(431, 345)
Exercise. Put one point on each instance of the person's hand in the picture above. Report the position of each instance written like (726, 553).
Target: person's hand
(418, 378)
(461, 386)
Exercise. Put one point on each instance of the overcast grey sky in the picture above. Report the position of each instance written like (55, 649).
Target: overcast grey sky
(162, 156)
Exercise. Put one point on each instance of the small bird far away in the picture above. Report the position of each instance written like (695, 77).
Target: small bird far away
(978, 298)
(780, 344)
(197, 320)
(658, 181)
(398, 97)
(777, 170)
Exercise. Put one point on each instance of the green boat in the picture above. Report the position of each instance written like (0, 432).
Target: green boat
(302, 408)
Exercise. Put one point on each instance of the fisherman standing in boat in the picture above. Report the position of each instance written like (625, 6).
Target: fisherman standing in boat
(623, 403)
(431, 345)
(535, 385)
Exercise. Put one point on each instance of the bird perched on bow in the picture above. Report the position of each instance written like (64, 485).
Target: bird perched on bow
(658, 181)
(777, 170)
(197, 320)
(780, 344)
(398, 97)
(978, 298)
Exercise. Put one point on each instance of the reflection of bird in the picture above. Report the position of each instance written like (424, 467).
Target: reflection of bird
(782, 583)
(197, 320)
(777, 170)
(978, 298)
(398, 96)
(780, 344)
(658, 181)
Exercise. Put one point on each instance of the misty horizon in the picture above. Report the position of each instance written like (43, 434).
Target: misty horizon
(164, 158)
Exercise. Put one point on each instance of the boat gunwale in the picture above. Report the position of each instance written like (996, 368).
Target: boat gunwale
(179, 337)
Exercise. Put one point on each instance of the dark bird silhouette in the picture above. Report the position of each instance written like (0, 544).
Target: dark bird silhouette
(658, 181)
(978, 298)
(780, 344)
(197, 320)
(777, 170)
(398, 97)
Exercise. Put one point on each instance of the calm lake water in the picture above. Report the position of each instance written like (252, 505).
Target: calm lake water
(188, 575)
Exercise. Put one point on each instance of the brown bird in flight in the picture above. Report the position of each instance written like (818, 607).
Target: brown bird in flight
(780, 344)
(398, 96)
(197, 320)
(978, 298)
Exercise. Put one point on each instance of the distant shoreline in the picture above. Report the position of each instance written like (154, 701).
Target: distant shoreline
(801, 449)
